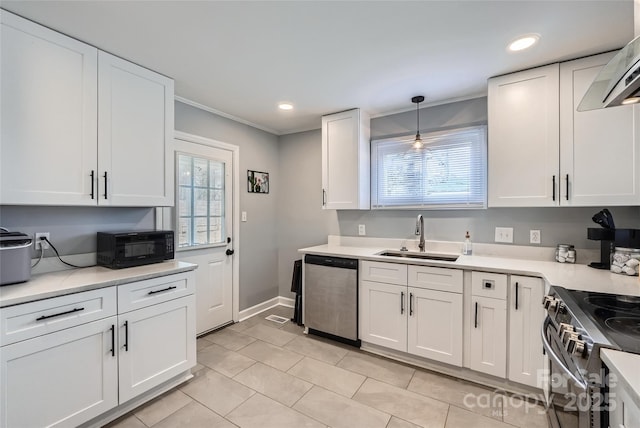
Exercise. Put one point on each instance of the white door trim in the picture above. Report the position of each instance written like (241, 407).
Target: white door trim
(163, 218)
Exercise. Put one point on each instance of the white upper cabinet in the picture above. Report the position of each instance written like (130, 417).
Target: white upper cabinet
(79, 126)
(542, 152)
(345, 161)
(599, 149)
(135, 115)
(49, 115)
(523, 138)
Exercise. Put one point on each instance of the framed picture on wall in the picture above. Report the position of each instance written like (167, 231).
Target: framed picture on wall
(257, 182)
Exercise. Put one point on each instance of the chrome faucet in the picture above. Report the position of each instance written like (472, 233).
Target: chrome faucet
(420, 231)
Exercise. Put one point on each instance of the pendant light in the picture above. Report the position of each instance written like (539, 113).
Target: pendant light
(418, 144)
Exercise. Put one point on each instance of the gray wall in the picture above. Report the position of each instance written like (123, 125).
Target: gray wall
(307, 224)
(258, 237)
(301, 220)
(73, 229)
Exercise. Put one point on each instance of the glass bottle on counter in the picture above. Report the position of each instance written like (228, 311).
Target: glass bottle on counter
(467, 248)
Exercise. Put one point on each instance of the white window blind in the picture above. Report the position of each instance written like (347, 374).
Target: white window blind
(449, 171)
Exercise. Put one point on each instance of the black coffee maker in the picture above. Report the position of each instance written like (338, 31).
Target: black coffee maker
(610, 237)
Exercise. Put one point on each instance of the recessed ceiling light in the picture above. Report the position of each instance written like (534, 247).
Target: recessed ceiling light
(523, 42)
(285, 106)
(631, 100)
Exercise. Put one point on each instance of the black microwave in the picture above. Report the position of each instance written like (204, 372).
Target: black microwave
(118, 250)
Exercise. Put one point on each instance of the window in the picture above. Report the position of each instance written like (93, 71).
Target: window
(450, 171)
(200, 207)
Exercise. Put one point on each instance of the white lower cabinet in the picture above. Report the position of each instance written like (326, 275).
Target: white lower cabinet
(488, 323)
(156, 344)
(66, 368)
(625, 412)
(60, 379)
(420, 310)
(435, 325)
(417, 320)
(526, 360)
(383, 320)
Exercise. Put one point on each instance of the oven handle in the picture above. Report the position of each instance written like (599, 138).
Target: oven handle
(547, 346)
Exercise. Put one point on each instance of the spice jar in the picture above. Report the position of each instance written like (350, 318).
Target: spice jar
(625, 261)
(565, 253)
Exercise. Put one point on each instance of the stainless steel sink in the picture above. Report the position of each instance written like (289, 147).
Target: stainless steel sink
(421, 256)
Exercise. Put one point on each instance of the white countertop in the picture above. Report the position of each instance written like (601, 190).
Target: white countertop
(46, 285)
(571, 276)
(628, 366)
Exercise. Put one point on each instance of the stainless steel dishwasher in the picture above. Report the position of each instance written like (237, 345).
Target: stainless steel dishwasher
(331, 297)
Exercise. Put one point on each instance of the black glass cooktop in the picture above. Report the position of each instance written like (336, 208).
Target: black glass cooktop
(617, 317)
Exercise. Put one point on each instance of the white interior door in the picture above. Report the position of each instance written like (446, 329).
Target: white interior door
(203, 221)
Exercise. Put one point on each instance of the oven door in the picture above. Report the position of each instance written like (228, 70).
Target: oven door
(570, 396)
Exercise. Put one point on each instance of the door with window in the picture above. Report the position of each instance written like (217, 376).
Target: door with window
(203, 224)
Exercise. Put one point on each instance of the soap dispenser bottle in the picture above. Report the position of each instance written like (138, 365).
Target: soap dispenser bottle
(466, 247)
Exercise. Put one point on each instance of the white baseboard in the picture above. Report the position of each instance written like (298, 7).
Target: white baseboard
(286, 301)
(266, 305)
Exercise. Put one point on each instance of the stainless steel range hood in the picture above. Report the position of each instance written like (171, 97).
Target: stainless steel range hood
(618, 83)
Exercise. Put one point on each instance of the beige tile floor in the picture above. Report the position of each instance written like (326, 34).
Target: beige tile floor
(259, 374)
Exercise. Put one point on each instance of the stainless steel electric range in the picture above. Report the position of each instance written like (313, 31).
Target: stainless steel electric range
(577, 325)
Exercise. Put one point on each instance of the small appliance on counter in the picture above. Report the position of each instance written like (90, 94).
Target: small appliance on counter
(15, 257)
(610, 238)
(118, 250)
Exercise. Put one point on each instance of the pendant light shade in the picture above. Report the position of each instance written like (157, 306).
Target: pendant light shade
(418, 141)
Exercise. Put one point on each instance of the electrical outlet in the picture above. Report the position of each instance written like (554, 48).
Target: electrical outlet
(244, 216)
(534, 236)
(504, 234)
(361, 230)
(39, 242)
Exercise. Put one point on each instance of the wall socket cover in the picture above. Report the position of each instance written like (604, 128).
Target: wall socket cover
(534, 236)
(361, 230)
(37, 242)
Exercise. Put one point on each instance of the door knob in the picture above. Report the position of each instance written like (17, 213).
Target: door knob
(229, 252)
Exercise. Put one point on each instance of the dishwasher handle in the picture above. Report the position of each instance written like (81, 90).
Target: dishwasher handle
(337, 262)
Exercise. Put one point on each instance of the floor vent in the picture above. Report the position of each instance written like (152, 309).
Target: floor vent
(277, 319)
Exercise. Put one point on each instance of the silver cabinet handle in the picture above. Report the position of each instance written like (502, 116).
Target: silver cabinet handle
(410, 304)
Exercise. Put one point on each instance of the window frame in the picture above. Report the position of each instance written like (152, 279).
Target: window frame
(177, 215)
(480, 150)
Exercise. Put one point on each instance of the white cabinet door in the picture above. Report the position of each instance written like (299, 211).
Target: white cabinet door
(48, 115)
(435, 325)
(135, 113)
(523, 138)
(599, 149)
(488, 353)
(526, 315)
(383, 314)
(156, 343)
(60, 379)
(345, 161)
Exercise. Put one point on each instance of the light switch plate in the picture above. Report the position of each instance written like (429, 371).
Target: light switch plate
(244, 216)
(361, 230)
(504, 234)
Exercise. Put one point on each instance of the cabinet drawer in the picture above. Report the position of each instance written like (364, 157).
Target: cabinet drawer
(492, 285)
(140, 294)
(434, 278)
(21, 322)
(390, 273)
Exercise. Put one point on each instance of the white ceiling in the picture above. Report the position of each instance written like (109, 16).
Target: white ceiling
(242, 58)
